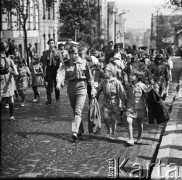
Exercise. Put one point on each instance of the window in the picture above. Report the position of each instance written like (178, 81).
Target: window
(4, 17)
(36, 46)
(53, 8)
(49, 12)
(9, 19)
(29, 18)
(43, 3)
(44, 36)
(35, 16)
(20, 50)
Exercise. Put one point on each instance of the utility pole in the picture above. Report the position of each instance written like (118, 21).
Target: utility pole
(151, 36)
(98, 19)
(157, 32)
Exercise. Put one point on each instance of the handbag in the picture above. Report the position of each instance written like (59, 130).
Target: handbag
(42, 81)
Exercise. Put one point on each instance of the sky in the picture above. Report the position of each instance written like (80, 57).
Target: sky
(138, 12)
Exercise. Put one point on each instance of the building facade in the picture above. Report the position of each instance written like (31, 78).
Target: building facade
(146, 39)
(163, 30)
(41, 24)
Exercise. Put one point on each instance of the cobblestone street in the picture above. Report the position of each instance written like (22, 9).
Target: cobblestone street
(39, 143)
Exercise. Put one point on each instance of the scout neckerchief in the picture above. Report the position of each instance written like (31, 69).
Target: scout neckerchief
(108, 86)
(78, 71)
(51, 57)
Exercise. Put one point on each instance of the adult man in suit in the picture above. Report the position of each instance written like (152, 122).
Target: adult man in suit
(52, 59)
(109, 52)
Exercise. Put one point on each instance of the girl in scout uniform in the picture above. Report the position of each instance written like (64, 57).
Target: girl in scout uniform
(136, 107)
(37, 72)
(114, 99)
(22, 80)
(78, 74)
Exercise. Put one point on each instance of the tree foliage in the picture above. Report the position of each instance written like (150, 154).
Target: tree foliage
(177, 3)
(166, 29)
(81, 15)
(174, 5)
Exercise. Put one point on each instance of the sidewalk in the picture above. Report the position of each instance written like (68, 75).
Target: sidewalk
(169, 157)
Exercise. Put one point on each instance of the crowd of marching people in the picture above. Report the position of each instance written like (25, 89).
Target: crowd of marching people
(126, 77)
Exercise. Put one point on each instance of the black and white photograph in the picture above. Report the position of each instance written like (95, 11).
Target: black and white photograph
(91, 89)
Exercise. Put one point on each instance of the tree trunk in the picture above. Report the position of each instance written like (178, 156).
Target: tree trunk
(26, 46)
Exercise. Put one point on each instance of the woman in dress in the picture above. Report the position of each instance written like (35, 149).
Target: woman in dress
(22, 80)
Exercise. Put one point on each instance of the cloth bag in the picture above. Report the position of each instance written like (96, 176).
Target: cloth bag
(94, 124)
(156, 108)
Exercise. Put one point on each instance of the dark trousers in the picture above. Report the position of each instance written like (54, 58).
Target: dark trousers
(36, 93)
(10, 101)
(22, 94)
(51, 81)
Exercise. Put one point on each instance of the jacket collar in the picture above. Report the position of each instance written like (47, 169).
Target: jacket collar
(79, 61)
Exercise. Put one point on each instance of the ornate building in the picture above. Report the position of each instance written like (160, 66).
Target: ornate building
(41, 24)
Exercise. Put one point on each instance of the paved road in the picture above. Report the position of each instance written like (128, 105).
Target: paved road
(39, 144)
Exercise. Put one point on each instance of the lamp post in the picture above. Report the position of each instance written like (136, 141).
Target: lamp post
(76, 34)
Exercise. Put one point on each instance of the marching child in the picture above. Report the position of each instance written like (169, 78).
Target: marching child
(37, 72)
(22, 80)
(7, 71)
(114, 99)
(136, 107)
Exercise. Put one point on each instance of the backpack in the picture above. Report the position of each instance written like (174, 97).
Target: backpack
(5, 68)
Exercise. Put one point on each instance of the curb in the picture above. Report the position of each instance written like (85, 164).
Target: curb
(179, 94)
(168, 161)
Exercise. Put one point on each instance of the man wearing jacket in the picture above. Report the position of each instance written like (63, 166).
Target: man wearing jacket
(52, 61)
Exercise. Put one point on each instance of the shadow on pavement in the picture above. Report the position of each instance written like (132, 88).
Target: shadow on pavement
(63, 136)
(169, 160)
(150, 139)
(172, 147)
(88, 137)
(145, 157)
(67, 136)
(173, 132)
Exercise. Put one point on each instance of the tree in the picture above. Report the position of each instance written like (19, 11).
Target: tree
(22, 8)
(81, 15)
(174, 5)
(177, 3)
